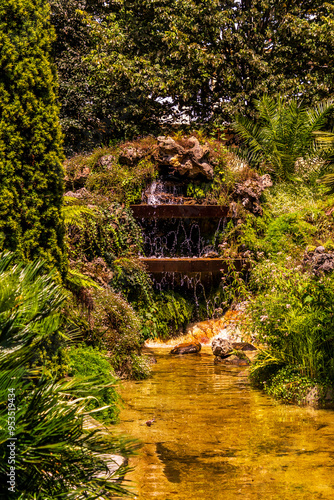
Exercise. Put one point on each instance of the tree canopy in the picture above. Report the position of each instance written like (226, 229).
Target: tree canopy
(125, 66)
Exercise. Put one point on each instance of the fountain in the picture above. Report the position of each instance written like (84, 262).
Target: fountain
(182, 237)
(180, 240)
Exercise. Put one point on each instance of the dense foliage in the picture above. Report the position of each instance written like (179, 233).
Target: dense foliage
(87, 361)
(290, 302)
(31, 172)
(56, 456)
(295, 320)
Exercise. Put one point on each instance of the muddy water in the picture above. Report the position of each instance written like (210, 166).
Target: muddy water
(215, 438)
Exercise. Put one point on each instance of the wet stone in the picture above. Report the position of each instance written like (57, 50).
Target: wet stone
(186, 348)
(243, 346)
(232, 360)
(221, 347)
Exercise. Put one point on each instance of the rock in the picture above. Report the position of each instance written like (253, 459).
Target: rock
(131, 156)
(221, 347)
(80, 193)
(235, 360)
(107, 161)
(319, 261)
(186, 348)
(243, 346)
(150, 422)
(232, 360)
(312, 398)
(320, 397)
(187, 162)
(249, 192)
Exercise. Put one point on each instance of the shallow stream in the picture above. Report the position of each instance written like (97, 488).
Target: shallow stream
(215, 438)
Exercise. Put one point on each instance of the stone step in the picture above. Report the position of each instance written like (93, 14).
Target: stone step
(192, 265)
(179, 211)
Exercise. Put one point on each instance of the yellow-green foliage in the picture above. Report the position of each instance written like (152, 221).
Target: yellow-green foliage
(31, 173)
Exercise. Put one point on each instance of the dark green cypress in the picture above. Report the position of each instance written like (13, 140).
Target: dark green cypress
(31, 172)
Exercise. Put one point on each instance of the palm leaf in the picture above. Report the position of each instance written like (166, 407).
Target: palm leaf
(282, 134)
(58, 457)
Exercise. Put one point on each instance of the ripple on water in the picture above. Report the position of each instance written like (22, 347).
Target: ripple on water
(216, 438)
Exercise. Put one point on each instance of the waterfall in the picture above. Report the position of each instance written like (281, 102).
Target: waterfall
(183, 238)
(164, 192)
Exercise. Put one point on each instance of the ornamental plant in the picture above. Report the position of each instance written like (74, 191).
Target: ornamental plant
(31, 173)
(282, 133)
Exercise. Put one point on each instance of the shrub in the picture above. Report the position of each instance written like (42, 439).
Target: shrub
(87, 361)
(293, 316)
(31, 172)
(116, 323)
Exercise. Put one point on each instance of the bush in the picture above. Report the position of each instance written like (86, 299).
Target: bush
(116, 323)
(31, 172)
(293, 316)
(87, 361)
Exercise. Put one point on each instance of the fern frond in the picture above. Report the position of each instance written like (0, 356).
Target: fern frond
(74, 215)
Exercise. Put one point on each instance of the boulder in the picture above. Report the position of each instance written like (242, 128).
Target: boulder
(221, 347)
(249, 192)
(232, 360)
(319, 261)
(131, 156)
(243, 346)
(186, 348)
(188, 161)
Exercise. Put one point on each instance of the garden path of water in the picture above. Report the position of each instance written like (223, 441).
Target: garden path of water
(216, 438)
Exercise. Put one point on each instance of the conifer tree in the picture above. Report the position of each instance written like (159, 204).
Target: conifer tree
(31, 173)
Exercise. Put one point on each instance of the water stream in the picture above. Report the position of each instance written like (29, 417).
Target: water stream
(215, 438)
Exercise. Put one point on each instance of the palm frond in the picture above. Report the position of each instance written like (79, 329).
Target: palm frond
(58, 457)
(282, 134)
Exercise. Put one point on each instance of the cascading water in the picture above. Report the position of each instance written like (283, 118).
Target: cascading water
(182, 239)
(164, 192)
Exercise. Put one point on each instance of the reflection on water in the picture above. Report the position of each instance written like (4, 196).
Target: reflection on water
(216, 438)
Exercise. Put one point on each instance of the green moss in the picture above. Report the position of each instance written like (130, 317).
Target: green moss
(289, 386)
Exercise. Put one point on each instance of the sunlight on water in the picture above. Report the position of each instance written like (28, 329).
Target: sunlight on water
(216, 438)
